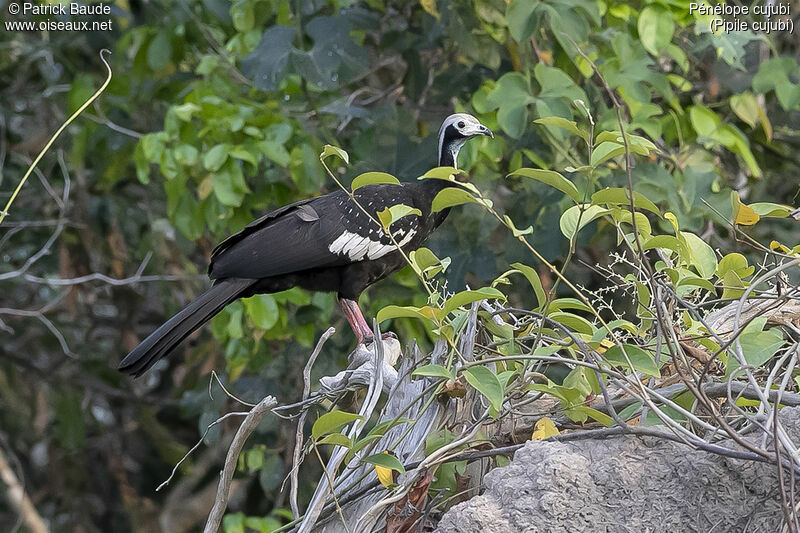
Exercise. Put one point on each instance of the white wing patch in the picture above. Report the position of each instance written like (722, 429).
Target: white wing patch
(357, 247)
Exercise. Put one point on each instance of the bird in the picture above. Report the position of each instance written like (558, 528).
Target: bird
(328, 243)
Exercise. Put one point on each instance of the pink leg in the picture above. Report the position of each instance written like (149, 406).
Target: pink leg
(353, 314)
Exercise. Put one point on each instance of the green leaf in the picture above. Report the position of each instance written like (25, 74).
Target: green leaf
(656, 27)
(442, 173)
(641, 360)
(734, 262)
(186, 111)
(551, 178)
(394, 213)
(386, 460)
(437, 371)
(767, 209)
(521, 24)
(516, 232)
(486, 382)
(586, 411)
(159, 51)
(263, 310)
(619, 196)
(425, 262)
(702, 256)
(559, 122)
(573, 322)
(664, 241)
(229, 185)
(758, 347)
(396, 311)
(606, 150)
(466, 297)
(214, 158)
(370, 178)
(511, 96)
(572, 221)
(451, 196)
(336, 439)
(533, 278)
(788, 94)
(330, 422)
(746, 107)
(186, 154)
(329, 150)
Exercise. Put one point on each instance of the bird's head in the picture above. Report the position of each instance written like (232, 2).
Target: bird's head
(455, 131)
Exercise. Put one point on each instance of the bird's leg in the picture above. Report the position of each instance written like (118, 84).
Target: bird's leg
(353, 314)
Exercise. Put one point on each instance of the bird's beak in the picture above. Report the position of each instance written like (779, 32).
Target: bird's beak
(486, 131)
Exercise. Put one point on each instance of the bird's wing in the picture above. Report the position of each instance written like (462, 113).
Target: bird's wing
(253, 226)
(325, 231)
(290, 239)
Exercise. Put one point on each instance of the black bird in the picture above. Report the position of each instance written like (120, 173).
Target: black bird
(326, 243)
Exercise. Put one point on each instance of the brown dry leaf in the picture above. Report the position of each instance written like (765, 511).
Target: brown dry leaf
(406, 513)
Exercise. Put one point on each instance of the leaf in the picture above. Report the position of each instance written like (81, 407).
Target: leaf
(516, 232)
(214, 159)
(641, 360)
(746, 107)
(425, 262)
(186, 111)
(485, 381)
(437, 371)
(533, 278)
(619, 196)
(263, 310)
(330, 422)
(466, 297)
(664, 241)
(442, 173)
(451, 196)
(329, 150)
(734, 262)
(543, 429)
(702, 255)
(386, 460)
(396, 311)
(430, 8)
(393, 213)
(604, 151)
(370, 178)
(511, 96)
(559, 122)
(159, 51)
(551, 178)
(758, 347)
(569, 222)
(266, 65)
(742, 214)
(520, 22)
(336, 439)
(229, 185)
(586, 411)
(768, 209)
(656, 27)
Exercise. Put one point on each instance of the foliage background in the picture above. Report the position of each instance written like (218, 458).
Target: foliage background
(218, 111)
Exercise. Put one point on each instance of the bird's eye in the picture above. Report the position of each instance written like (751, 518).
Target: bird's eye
(461, 124)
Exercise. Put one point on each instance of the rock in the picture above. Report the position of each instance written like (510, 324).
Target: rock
(624, 484)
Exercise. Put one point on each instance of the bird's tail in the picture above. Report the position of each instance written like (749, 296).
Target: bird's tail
(163, 340)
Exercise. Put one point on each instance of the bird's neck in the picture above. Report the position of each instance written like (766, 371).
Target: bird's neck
(448, 152)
